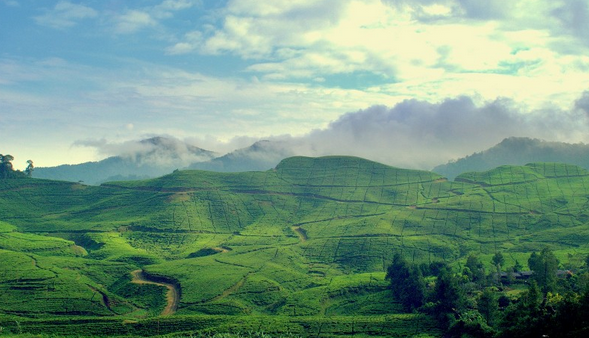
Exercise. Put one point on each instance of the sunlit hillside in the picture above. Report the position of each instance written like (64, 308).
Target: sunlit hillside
(312, 237)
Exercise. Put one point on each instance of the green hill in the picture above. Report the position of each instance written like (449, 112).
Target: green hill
(311, 239)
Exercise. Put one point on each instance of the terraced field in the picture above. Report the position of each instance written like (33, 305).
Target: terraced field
(309, 239)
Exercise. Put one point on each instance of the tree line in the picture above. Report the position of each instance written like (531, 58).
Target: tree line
(7, 169)
(474, 303)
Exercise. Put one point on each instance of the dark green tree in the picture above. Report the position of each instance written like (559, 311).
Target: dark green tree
(30, 168)
(6, 168)
(406, 282)
(544, 266)
(476, 268)
(517, 266)
(448, 296)
(524, 317)
(498, 260)
(488, 305)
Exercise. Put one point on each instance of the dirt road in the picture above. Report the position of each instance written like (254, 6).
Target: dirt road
(172, 296)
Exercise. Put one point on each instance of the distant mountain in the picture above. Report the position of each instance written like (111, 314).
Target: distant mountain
(148, 158)
(518, 151)
(262, 155)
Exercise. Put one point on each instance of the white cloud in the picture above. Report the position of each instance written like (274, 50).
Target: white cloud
(176, 5)
(192, 39)
(534, 52)
(11, 3)
(411, 134)
(420, 134)
(154, 150)
(406, 43)
(165, 9)
(65, 14)
(133, 21)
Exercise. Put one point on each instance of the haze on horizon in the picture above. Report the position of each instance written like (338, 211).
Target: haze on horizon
(411, 83)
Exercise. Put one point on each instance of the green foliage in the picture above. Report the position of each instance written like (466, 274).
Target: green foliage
(7, 171)
(544, 266)
(448, 297)
(488, 306)
(407, 283)
(476, 269)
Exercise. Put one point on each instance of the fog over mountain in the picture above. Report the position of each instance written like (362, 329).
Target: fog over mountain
(413, 134)
(147, 158)
(518, 151)
(262, 155)
(418, 134)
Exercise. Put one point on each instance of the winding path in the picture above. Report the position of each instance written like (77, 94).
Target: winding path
(172, 296)
(300, 233)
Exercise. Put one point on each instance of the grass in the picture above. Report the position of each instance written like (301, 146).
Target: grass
(309, 240)
(404, 325)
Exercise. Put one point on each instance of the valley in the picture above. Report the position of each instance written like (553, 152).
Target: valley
(303, 245)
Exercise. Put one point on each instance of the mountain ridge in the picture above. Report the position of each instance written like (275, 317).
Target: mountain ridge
(517, 151)
(147, 158)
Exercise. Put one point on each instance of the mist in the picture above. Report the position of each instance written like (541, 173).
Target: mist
(162, 151)
(412, 134)
(419, 134)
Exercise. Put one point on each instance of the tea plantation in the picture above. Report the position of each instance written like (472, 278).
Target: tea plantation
(298, 250)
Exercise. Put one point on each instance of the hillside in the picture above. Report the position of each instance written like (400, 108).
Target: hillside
(517, 151)
(311, 237)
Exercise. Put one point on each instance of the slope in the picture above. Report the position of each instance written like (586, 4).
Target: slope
(311, 237)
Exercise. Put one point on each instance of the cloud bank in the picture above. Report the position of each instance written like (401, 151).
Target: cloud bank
(166, 151)
(411, 134)
(420, 134)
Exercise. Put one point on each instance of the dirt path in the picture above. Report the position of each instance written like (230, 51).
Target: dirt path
(105, 300)
(172, 296)
(231, 290)
(300, 233)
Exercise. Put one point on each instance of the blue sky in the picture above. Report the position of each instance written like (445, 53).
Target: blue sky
(78, 75)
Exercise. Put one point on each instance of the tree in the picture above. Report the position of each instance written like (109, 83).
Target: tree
(544, 266)
(448, 296)
(498, 261)
(488, 305)
(476, 268)
(406, 282)
(517, 267)
(524, 317)
(30, 168)
(6, 168)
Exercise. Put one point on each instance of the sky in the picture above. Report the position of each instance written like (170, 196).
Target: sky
(411, 83)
